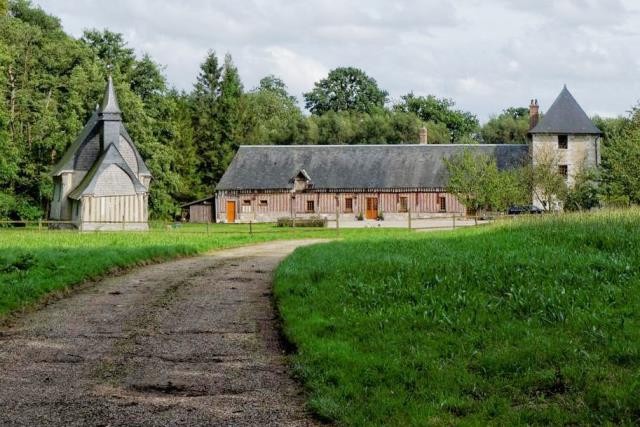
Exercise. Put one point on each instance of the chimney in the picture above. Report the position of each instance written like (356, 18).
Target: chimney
(534, 115)
(423, 135)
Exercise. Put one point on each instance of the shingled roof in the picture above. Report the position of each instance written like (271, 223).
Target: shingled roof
(88, 143)
(352, 167)
(111, 156)
(565, 116)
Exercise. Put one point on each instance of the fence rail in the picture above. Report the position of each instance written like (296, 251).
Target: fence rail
(411, 223)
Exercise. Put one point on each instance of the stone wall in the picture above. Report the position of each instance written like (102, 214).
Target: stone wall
(581, 151)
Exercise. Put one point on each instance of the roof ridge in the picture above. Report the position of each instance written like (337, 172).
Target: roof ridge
(373, 145)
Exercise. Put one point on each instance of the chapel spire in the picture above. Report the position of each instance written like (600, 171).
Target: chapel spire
(110, 109)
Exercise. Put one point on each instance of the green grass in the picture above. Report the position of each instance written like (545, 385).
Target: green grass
(536, 321)
(36, 263)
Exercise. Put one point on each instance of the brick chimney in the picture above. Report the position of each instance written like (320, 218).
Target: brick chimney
(534, 114)
(423, 136)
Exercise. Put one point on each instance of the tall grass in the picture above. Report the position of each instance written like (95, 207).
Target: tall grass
(535, 321)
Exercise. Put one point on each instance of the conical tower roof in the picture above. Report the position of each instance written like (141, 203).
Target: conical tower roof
(565, 116)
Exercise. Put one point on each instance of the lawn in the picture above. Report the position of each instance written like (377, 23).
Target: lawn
(535, 321)
(36, 263)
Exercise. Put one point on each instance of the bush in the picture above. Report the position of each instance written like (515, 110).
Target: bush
(617, 201)
(302, 222)
(18, 208)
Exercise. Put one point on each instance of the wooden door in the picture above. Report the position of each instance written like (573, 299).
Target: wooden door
(372, 208)
(231, 211)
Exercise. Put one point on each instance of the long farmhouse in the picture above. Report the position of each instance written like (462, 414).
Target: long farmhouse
(264, 183)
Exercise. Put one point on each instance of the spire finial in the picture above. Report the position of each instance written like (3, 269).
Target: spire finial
(110, 102)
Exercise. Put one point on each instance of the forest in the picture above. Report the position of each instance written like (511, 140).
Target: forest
(50, 83)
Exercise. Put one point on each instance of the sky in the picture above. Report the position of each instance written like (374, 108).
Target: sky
(485, 55)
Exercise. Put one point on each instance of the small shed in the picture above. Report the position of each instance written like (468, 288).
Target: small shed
(199, 211)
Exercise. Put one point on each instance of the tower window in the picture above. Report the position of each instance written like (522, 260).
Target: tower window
(563, 170)
(563, 142)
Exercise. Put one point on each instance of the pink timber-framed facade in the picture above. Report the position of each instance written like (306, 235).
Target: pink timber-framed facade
(268, 206)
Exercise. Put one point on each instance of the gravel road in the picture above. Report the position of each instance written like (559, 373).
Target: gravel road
(188, 342)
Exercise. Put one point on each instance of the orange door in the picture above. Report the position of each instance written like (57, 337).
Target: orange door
(231, 211)
(372, 208)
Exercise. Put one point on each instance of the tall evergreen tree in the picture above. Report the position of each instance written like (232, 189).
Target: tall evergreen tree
(206, 129)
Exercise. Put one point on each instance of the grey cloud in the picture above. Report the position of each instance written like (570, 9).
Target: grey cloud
(487, 55)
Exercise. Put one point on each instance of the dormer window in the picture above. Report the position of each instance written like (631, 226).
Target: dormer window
(301, 181)
(563, 142)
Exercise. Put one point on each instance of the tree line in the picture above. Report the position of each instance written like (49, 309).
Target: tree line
(50, 83)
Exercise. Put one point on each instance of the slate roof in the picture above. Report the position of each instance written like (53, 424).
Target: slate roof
(111, 111)
(351, 167)
(195, 202)
(111, 156)
(566, 116)
(67, 161)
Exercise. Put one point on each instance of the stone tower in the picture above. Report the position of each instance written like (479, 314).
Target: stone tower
(566, 135)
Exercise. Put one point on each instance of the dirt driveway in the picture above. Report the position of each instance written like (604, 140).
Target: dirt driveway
(188, 342)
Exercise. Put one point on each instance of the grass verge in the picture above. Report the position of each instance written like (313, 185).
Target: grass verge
(530, 322)
(34, 264)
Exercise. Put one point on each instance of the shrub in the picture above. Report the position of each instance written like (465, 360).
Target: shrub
(302, 222)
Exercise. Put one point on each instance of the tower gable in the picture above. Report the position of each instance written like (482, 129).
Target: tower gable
(114, 181)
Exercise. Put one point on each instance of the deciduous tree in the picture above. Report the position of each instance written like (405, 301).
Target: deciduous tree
(345, 89)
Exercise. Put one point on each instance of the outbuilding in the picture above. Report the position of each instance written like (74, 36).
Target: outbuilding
(199, 211)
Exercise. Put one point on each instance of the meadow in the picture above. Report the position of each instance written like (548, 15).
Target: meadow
(532, 321)
(37, 263)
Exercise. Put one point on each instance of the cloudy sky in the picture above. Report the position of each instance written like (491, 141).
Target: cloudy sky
(486, 55)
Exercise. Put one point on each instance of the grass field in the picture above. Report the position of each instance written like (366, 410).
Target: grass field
(529, 322)
(35, 263)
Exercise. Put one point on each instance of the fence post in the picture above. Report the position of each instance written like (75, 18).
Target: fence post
(40, 224)
(337, 220)
(409, 216)
(124, 223)
(250, 228)
(454, 221)
(207, 227)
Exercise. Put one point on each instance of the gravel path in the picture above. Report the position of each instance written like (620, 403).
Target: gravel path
(188, 342)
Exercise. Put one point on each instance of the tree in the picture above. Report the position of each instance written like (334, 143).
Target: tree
(271, 115)
(549, 187)
(204, 102)
(345, 89)
(431, 109)
(478, 183)
(228, 116)
(620, 159)
(585, 192)
(111, 48)
(217, 113)
(510, 127)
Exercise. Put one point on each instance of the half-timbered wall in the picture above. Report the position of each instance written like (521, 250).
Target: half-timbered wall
(259, 206)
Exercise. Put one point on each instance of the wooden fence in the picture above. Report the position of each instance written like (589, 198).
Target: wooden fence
(425, 223)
